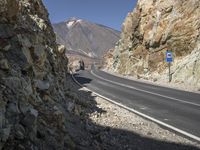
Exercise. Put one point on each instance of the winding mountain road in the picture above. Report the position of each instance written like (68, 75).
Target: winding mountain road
(175, 109)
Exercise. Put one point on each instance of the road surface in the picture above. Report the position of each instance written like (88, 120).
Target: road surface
(176, 109)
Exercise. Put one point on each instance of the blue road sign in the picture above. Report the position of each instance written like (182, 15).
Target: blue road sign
(169, 57)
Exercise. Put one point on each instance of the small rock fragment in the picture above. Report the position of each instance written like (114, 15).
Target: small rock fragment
(4, 64)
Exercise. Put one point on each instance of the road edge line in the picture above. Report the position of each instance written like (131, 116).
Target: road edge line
(145, 91)
(149, 82)
(184, 133)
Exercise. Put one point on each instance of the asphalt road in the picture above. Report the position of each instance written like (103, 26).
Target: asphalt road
(172, 107)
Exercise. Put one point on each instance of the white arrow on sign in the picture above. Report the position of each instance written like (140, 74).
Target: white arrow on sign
(169, 55)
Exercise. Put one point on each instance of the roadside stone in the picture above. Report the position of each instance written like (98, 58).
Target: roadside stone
(42, 85)
(59, 118)
(77, 110)
(4, 134)
(4, 45)
(28, 88)
(4, 64)
(24, 40)
(61, 49)
(2, 118)
(55, 108)
(149, 133)
(38, 54)
(155, 79)
(12, 109)
(6, 48)
(24, 106)
(30, 119)
(21, 147)
(13, 83)
(199, 89)
(6, 30)
(19, 131)
(69, 143)
(71, 107)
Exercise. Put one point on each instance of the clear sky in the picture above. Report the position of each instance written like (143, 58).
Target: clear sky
(106, 12)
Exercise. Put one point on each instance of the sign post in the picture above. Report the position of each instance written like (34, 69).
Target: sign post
(169, 59)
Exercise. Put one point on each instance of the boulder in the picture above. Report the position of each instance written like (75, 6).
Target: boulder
(4, 134)
(30, 119)
(4, 64)
(61, 49)
(19, 132)
(4, 45)
(71, 107)
(12, 109)
(13, 83)
(41, 85)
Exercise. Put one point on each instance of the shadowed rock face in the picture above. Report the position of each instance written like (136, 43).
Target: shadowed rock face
(85, 37)
(151, 29)
(32, 78)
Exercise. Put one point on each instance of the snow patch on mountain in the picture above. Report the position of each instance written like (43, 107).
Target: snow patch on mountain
(70, 24)
(79, 21)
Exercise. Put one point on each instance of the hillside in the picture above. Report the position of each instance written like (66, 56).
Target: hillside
(86, 37)
(152, 28)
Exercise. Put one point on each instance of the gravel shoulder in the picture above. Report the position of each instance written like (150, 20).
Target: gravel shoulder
(119, 118)
(113, 127)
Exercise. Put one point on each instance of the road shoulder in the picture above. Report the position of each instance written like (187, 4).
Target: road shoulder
(117, 118)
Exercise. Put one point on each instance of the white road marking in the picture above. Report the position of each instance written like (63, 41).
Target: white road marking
(148, 82)
(152, 93)
(143, 108)
(143, 115)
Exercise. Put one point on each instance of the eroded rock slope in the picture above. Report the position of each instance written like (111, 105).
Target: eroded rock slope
(32, 79)
(152, 28)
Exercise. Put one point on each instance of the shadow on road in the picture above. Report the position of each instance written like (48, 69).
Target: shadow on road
(89, 135)
(82, 80)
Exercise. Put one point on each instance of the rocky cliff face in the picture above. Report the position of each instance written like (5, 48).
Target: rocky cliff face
(32, 79)
(151, 29)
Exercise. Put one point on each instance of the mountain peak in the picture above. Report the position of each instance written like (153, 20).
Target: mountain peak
(72, 21)
(73, 18)
(86, 37)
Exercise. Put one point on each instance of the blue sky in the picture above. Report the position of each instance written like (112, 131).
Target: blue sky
(106, 12)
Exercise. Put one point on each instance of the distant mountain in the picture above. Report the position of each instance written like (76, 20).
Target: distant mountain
(86, 37)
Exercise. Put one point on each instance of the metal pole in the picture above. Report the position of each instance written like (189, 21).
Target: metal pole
(169, 72)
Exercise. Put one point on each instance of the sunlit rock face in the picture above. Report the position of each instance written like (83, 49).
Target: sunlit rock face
(153, 27)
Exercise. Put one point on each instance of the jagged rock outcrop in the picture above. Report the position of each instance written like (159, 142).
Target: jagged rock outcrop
(32, 79)
(151, 29)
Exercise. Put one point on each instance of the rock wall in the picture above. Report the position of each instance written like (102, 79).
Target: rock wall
(153, 27)
(32, 79)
